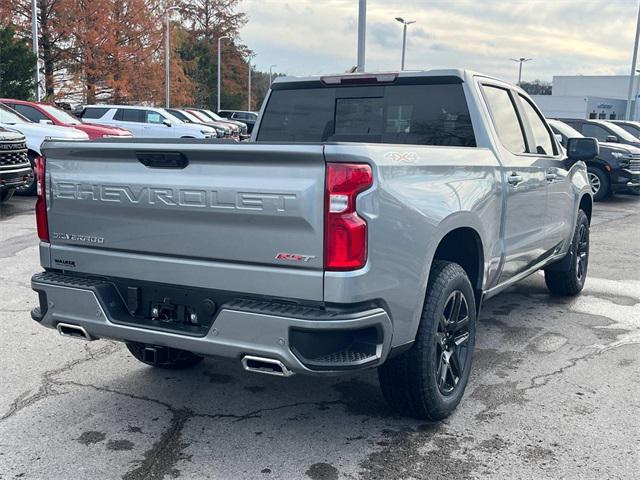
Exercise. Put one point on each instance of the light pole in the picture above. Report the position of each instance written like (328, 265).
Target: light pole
(34, 35)
(270, 74)
(249, 86)
(167, 55)
(404, 36)
(628, 115)
(219, 83)
(520, 60)
(362, 33)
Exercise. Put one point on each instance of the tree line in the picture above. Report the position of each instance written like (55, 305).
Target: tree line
(112, 51)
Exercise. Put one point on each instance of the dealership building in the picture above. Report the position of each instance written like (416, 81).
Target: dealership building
(589, 96)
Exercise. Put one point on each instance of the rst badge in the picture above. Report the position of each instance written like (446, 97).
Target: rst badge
(294, 257)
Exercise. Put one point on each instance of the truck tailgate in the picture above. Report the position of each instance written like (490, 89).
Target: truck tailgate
(243, 217)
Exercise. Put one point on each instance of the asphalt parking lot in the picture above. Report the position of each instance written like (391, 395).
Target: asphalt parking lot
(554, 393)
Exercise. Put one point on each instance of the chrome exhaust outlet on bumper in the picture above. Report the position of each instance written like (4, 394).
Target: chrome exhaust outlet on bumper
(74, 331)
(268, 366)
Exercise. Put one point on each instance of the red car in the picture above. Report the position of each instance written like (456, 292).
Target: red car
(40, 111)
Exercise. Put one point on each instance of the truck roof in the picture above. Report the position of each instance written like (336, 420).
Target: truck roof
(462, 74)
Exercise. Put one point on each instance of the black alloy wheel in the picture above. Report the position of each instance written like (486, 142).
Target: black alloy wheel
(452, 342)
(582, 255)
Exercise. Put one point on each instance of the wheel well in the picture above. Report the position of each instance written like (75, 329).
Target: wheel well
(464, 247)
(586, 204)
(602, 166)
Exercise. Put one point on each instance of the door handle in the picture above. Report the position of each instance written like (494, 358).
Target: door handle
(514, 179)
(551, 175)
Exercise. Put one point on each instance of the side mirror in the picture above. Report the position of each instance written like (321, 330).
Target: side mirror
(582, 148)
(612, 139)
(44, 121)
(166, 122)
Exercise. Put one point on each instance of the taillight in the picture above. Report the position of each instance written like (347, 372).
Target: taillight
(345, 242)
(41, 202)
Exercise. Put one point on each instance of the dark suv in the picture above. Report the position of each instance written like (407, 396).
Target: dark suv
(603, 130)
(249, 118)
(616, 168)
(15, 169)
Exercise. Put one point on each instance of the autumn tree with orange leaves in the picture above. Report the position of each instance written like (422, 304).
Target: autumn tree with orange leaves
(113, 50)
(116, 50)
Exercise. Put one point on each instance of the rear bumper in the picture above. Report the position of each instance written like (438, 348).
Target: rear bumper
(15, 176)
(305, 340)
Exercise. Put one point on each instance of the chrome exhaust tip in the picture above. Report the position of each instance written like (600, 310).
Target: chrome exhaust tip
(74, 331)
(268, 366)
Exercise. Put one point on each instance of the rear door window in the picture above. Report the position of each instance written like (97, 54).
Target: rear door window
(542, 141)
(94, 112)
(427, 114)
(129, 115)
(505, 118)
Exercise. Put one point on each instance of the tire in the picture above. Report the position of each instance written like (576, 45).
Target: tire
(31, 188)
(412, 381)
(600, 184)
(5, 195)
(172, 358)
(567, 277)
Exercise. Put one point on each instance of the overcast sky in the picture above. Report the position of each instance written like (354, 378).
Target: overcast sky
(564, 37)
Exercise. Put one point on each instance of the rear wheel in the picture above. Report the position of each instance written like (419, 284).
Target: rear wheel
(29, 189)
(599, 181)
(568, 276)
(428, 381)
(163, 357)
(5, 195)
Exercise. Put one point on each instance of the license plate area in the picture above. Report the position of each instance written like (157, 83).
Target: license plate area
(188, 311)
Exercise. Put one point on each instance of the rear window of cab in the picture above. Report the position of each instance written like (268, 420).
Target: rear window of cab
(424, 114)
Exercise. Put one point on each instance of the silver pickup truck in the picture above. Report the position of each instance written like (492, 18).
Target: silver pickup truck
(363, 226)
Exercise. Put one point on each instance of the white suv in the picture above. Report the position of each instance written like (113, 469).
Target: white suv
(148, 122)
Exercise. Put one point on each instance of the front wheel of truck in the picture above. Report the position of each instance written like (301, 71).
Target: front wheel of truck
(163, 357)
(428, 381)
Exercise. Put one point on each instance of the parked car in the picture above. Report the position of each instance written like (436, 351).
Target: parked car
(35, 134)
(205, 119)
(363, 228)
(222, 130)
(244, 116)
(603, 130)
(632, 127)
(616, 168)
(149, 122)
(208, 115)
(15, 170)
(40, 112)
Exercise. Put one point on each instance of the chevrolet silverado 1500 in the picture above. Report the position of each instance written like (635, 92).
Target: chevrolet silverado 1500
(362, 226)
